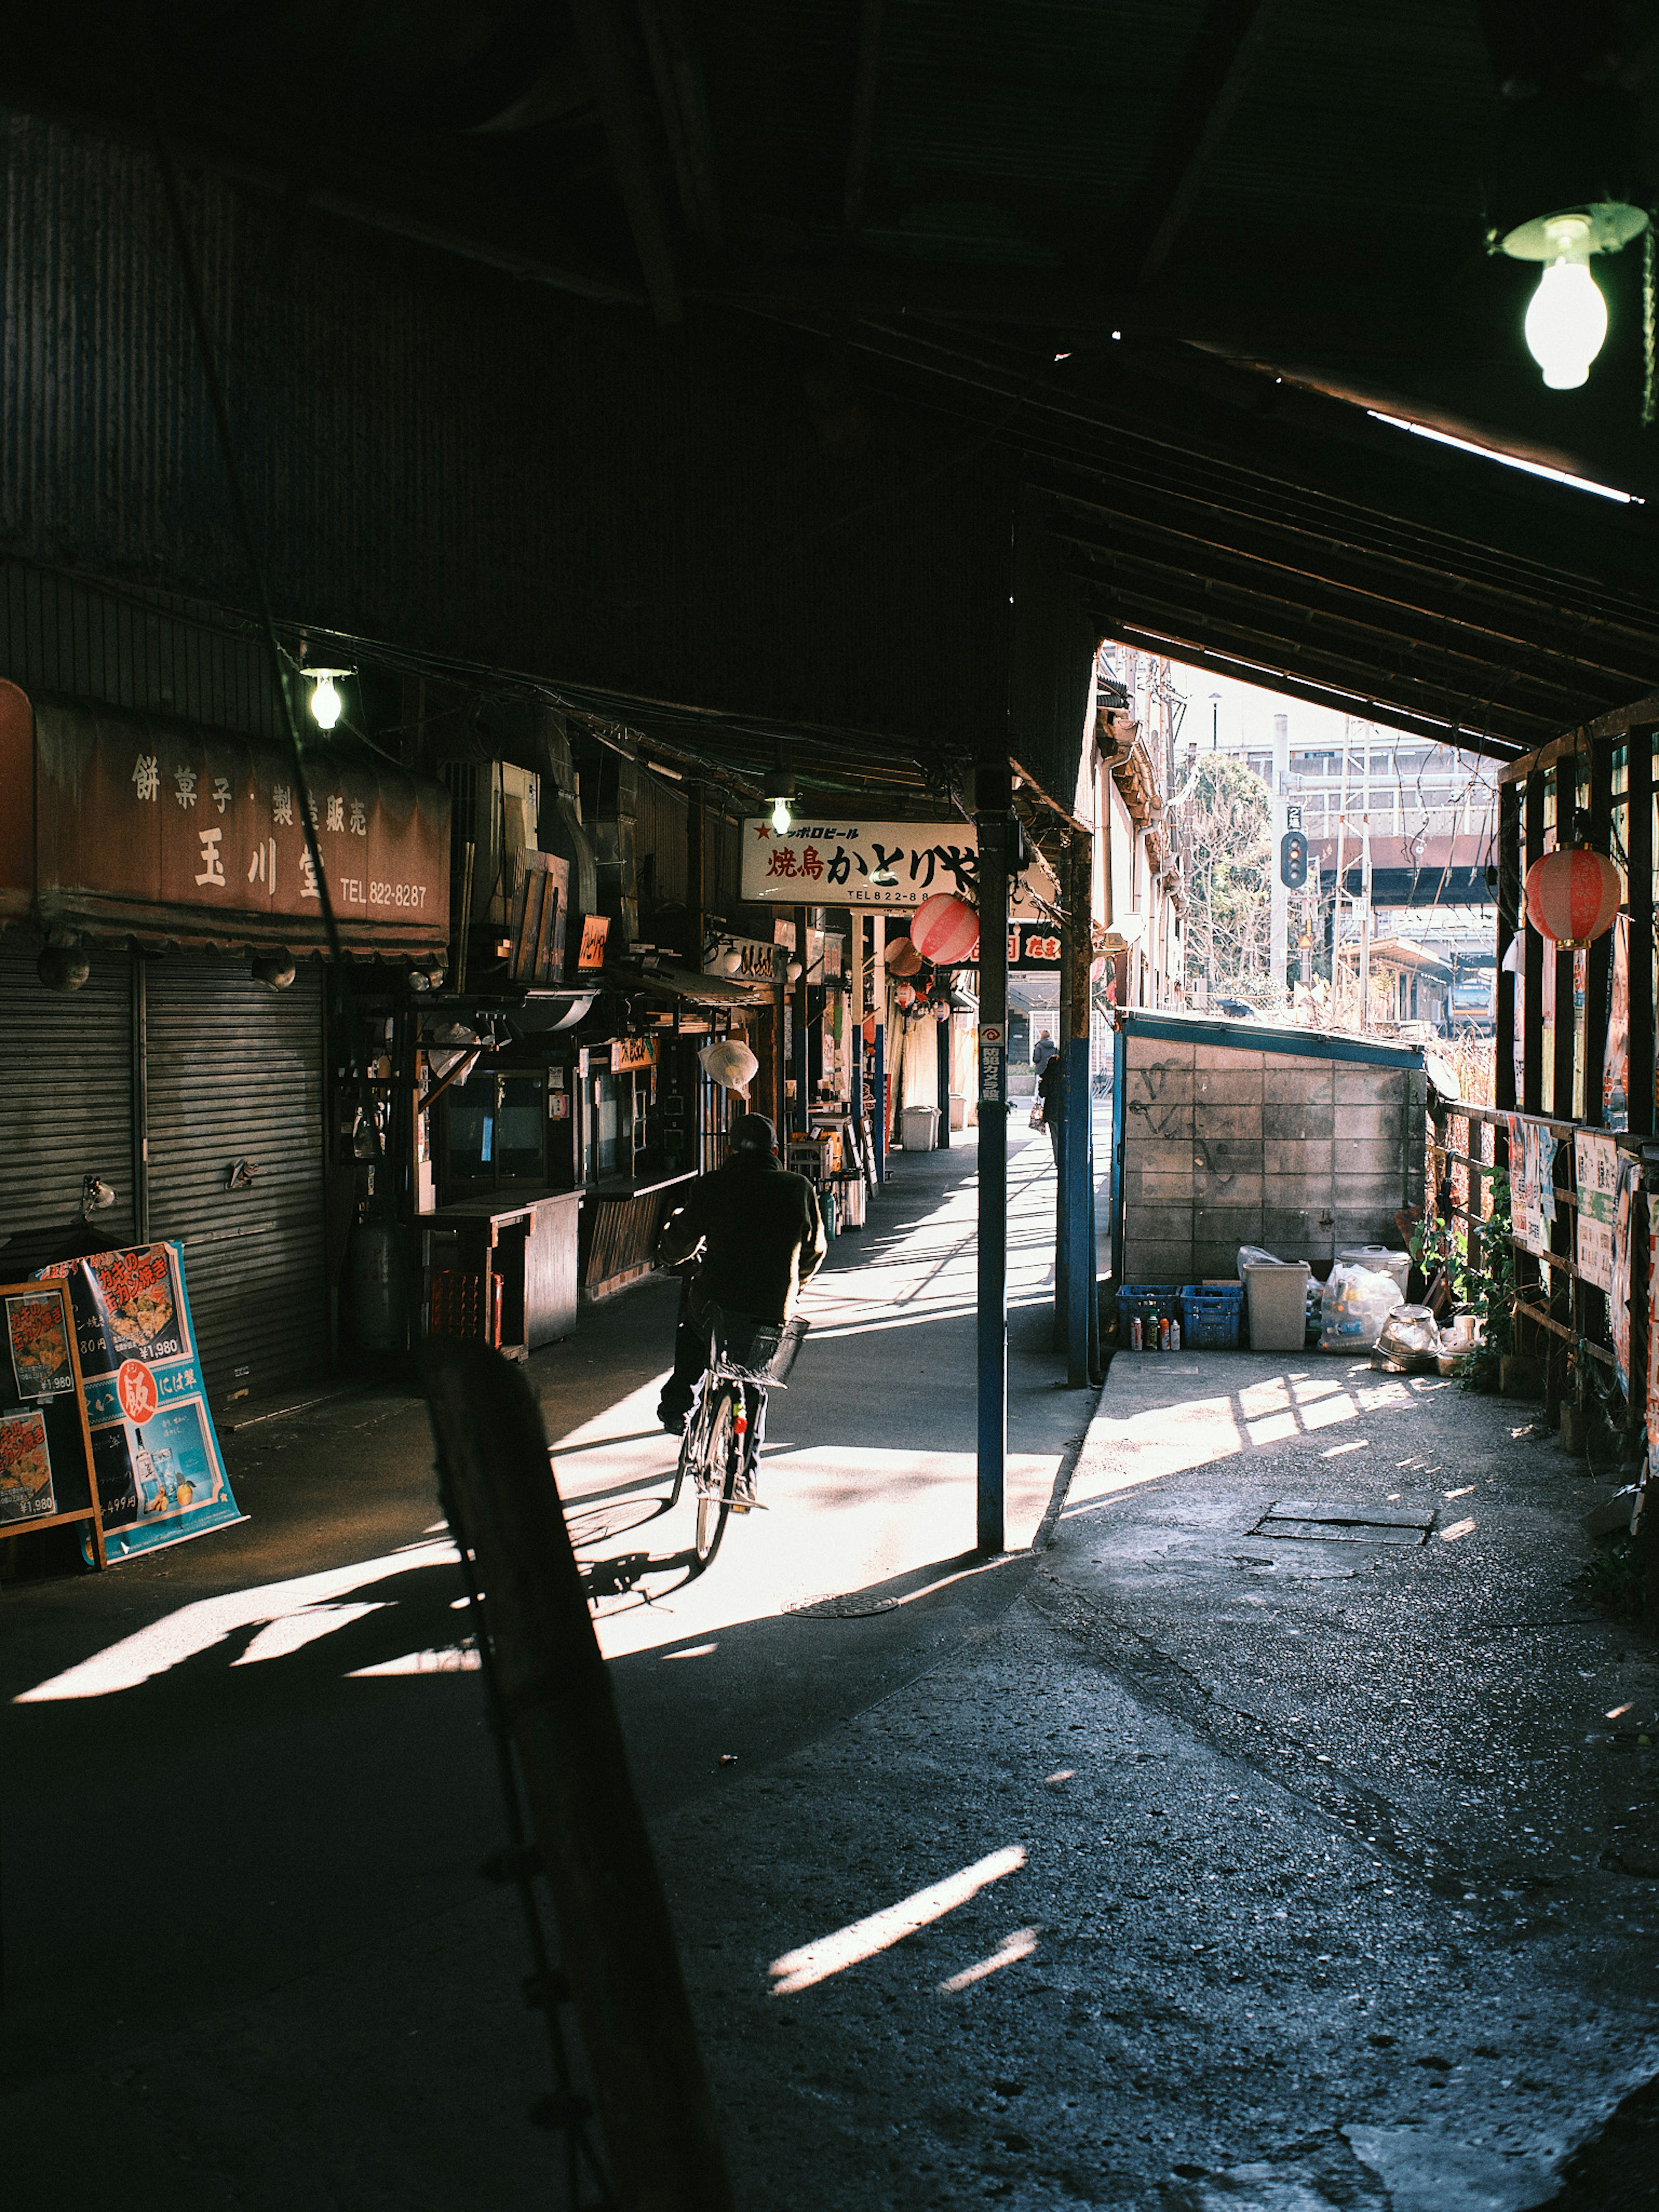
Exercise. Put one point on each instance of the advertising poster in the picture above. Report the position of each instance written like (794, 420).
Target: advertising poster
(1615, 1069)
(26, 1492)
(1541, 1176)
(40, 1346)
(1624, 1202)
(161, 1478)
(1596, 1165)
(1525, 1220)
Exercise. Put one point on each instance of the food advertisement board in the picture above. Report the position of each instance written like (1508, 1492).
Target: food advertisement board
(161, 1476)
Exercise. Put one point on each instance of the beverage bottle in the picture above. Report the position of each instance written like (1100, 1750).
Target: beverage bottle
(1137, 1335)
(1175, 1336)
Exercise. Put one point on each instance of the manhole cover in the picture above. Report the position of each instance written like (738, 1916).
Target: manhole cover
(1345, 1524)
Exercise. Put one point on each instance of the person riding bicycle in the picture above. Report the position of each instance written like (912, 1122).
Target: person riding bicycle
(748, 1235)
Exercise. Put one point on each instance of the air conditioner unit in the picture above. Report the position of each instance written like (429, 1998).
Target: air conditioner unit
(493, 807)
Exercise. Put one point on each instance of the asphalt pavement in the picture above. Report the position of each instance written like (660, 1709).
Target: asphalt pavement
(1272, 1828)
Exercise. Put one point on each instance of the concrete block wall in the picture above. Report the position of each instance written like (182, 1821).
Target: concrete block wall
(1224, 1146)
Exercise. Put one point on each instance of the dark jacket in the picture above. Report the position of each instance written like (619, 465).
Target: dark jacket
(760, 1233)
(1051, 1089)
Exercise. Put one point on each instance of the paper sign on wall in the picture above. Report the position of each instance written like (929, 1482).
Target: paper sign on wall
(1596, 1165)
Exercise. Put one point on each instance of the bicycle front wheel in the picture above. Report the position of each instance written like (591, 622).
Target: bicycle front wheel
(720, 1475)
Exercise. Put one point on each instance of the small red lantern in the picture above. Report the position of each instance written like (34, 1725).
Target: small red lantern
(905, 995)
(944, 929)
(1573, 894)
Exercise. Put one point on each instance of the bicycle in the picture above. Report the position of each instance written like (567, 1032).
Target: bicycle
(727, 1422)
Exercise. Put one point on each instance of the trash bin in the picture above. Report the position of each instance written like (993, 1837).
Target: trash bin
(1277, 1296)
(920, 1125)
(1379, 1260)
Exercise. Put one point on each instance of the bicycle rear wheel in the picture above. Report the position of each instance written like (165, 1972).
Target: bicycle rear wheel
(720, 1475)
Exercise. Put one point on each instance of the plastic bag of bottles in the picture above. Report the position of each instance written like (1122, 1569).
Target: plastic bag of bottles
(1357, 1303)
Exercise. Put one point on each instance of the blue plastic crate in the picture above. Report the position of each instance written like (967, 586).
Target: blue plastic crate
(1151, 1300)
(1211, 1316)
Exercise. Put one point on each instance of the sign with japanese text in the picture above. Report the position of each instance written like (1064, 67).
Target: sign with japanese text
(155, 1455)
(1034, 946)
(835, 864)
(25, 1490)
(1596, 1168)
(39, 1344)
(633, 1056)
(590, 954)
(160, 826)
(758, 960)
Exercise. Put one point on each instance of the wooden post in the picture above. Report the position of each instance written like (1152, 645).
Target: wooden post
(1638, 847)
(1563, 1236)
(992, 816)
(1077, 1164)
(616, 1942)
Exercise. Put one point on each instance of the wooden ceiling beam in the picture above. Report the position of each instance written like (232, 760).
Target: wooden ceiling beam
(1295, 684)
(678, 73)
(599, 34)
(861, 133)
(1344, 594)
(1372, 641)
(1354, 683)
(1194, 124)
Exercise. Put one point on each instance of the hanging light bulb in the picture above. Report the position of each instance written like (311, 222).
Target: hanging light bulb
(1566, 324)
(327, 704)
(1566, 319)
(731, 960)
(781, 817)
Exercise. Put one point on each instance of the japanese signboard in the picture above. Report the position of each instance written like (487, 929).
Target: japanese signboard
(39, 1344)
(1625, 1254)
(758, 962)
(25, 1490)
(1597, 1167)
(633, 1056)
(1034, 946)
(596, 928)
(836, 864)
(158, 826)
(161, 1478)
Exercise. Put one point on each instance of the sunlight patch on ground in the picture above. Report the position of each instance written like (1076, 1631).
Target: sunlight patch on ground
(1020, 1945)
(863, 1939)
(454, 1659)
(197, 1628)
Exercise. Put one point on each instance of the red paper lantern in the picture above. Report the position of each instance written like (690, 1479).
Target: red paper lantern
(1573, 894)
(905, 995)
(944, 929)
(902, 957)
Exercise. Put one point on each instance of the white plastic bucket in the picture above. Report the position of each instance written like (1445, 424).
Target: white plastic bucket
(1379, 1260)
(920, 1125)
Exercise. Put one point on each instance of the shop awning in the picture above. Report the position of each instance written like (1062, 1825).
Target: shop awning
(120, 824)
(681, 983)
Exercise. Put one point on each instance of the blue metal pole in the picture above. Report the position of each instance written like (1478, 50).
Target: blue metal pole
(879, 1088)
(1062, 1251)
(994, 794)
(1079, 1273)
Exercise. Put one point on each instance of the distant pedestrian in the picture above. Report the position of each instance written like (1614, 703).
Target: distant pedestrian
(1051, 1094)
(1043, 1051)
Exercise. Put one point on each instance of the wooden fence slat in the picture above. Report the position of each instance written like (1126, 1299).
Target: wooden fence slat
(616, 1942)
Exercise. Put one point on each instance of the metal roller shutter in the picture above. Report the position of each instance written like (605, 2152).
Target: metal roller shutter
(235, 1073)
(65, 1097)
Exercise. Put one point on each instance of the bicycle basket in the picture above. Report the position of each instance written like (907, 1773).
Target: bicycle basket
(757, 1351)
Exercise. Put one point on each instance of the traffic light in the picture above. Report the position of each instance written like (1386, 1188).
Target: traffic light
(1293, 860)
